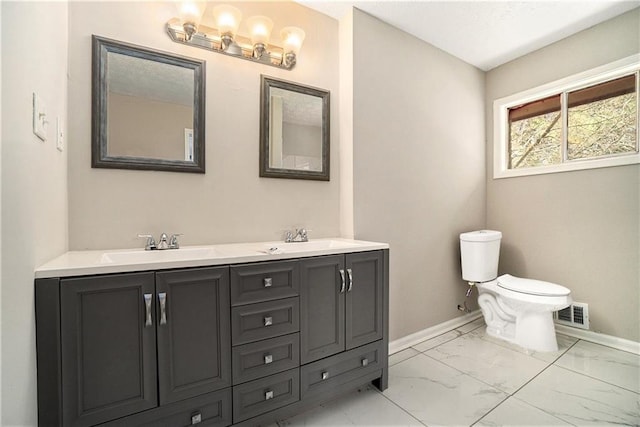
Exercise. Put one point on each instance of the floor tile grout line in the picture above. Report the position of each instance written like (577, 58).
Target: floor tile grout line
(404, 360)
(596, 379)
(542, 410)
(460, 334)
(508, 394)
(401, 408)
(484, 382)
(512, 395)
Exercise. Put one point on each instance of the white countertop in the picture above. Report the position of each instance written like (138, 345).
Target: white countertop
(83, 263)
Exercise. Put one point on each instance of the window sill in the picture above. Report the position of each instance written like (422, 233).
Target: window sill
(574, 165)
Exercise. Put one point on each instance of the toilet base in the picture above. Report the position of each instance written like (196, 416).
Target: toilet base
(528, 325)
(536, 331)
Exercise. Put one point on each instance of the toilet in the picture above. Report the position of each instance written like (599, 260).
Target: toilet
(516, 310)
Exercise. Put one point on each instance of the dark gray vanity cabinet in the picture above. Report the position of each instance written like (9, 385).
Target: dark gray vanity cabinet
(108, 351)
(244, 344)
(194, 342)
(133, 343)
(341, 298)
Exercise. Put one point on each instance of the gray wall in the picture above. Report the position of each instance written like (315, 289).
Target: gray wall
(34, 186)
(580, 229)
(418, 166)
(230, 203)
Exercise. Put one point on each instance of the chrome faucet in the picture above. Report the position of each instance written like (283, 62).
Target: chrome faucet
(301, 235)
(165, 242)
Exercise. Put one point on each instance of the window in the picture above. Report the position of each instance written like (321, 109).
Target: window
(585, 121)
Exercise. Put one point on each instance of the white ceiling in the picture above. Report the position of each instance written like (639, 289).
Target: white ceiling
(485, 33)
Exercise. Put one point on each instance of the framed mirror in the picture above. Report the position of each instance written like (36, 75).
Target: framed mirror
(294, 130)
(148, 109)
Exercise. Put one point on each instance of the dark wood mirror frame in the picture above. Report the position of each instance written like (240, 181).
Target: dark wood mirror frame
(265, 108)
(100, 157)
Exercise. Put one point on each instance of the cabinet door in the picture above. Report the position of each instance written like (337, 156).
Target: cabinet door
(322, 314)
(364, 297)
(194, 343)
(108, 347)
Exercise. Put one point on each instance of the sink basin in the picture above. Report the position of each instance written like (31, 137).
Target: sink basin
(142, 256)
(312, 245)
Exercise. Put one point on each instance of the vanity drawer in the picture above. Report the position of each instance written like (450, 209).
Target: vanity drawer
(264, 281)
(264, 320)
(323, 375)
(266, 394)
(266, 357)
(212, 409)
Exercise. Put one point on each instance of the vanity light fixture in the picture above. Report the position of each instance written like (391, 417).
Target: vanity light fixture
(223, 38)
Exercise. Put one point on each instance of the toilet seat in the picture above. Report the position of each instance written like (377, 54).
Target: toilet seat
(531, 287)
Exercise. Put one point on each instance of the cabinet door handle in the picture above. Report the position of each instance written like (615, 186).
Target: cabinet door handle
(268, 394)
(268, 321)
(325, 375)
(343, 285)
(268, 358)
(147, 306)
(162, 297)
(350, 274)
(268, 282)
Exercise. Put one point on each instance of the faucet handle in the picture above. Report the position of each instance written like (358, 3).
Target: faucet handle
(289, 236)
(150, 244)
(173, 241)
(303, 233)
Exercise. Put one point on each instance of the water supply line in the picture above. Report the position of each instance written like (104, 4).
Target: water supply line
(464, 307)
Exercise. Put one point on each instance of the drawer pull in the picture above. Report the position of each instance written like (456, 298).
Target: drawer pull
(350, 274)
(268, 394)
(162, 297)
(364, 362)
(325, 375)
(268, 358)
(196, 418)
(344, 281)
(268, 282)
(147, 306)
(268, 321)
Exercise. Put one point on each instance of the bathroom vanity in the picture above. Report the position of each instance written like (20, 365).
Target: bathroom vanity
(213, 335)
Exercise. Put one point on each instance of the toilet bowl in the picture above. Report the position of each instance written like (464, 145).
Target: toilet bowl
(515, 309)
(521, 310)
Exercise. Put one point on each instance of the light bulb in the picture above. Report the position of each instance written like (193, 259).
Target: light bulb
(227, 19)
(260, 28)
(190, 13)
(292, 38)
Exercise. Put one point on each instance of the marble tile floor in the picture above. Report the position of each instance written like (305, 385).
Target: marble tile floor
(464, 378)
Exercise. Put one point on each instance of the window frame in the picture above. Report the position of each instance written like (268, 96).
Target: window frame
(620, 68)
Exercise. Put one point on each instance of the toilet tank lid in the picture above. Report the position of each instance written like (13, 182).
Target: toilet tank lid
(481, 236)
(531, 287)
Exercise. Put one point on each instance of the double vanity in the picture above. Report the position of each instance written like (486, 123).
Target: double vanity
(240, 334)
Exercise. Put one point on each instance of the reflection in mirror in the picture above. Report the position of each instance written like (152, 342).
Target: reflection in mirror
(148, 109)
(294, 131)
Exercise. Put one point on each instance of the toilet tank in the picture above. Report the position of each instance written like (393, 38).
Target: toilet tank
(480, 252)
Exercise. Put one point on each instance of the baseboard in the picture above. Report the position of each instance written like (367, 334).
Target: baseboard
(425, 334)
(598, 338)
(439, 329)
